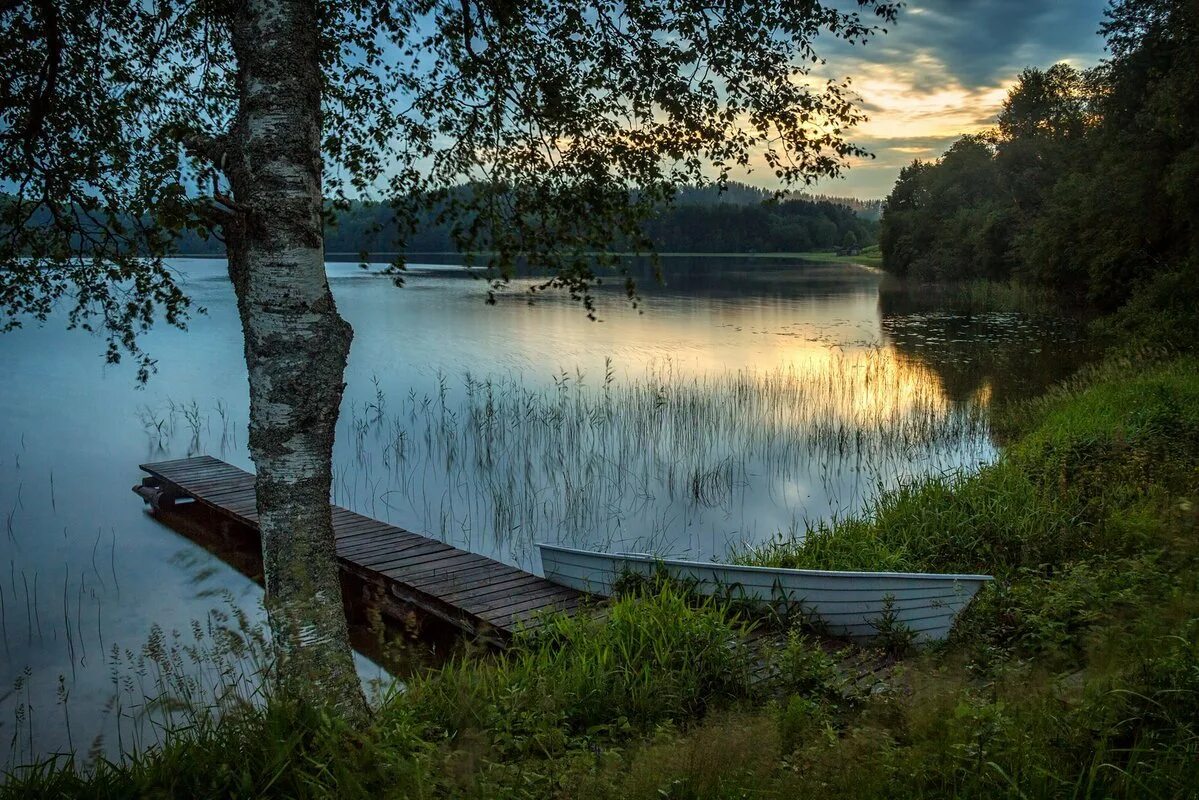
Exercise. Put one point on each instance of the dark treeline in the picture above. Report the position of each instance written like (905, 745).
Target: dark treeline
(792, 226)
(1089, 185)
(702, 220)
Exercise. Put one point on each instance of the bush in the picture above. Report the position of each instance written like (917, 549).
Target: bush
(1161, 313)
(645, 660)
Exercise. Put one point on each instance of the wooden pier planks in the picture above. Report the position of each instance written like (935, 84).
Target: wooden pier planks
(478, 594)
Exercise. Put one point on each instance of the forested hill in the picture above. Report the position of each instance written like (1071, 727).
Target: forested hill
(741, 219)
(1088, 185)
(789, 226)
(742, 194)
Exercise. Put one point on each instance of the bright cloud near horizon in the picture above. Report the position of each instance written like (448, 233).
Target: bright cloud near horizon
(943, 70)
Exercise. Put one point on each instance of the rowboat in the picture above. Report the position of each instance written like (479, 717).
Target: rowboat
(857, 605)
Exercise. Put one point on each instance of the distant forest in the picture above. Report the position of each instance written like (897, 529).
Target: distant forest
(742, 219)
(1089, 185)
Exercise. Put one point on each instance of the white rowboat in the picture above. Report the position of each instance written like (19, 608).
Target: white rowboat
(851, 604)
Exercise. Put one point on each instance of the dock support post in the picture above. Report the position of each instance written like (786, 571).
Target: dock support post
(157, 494)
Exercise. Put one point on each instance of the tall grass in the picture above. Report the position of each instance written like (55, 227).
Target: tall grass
(977, 296)
(581, 682)
(1073, 677)
(657, 655)
(664, 461)
(175, 680)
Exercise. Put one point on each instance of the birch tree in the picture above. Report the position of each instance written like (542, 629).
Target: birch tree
(540, 130)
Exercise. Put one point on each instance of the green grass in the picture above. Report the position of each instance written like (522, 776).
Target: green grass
(870, 256)
(1096, 461)
(1076, 675)
(649, 658)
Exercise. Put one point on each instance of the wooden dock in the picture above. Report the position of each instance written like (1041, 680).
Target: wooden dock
(482, 596)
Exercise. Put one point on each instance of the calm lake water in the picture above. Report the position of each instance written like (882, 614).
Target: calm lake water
(716, 416)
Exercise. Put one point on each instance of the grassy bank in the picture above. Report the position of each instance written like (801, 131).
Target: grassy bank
(870, 256)
(1075, 675)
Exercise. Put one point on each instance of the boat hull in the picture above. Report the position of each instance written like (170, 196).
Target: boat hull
(856, 605)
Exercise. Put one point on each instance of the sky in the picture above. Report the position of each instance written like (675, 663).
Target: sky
(943, 70)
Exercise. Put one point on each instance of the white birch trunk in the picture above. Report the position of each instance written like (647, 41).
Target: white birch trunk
(296, 344)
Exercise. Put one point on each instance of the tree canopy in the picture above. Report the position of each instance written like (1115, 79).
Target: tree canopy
(571, 121)
(743, 219)
(541, 130)
(1088, 183)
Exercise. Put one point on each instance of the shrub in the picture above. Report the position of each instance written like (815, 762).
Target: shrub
(644, 660)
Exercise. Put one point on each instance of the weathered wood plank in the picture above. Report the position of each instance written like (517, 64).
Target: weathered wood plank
(508, 586)
(373, 544)
(494, 607)
(474, 591)
(524, 614)
(484, 582)
(457, 571)
(398, 563)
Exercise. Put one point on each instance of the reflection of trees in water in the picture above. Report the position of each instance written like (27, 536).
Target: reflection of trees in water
(765, 278)
(1003, 355)
(698, 275)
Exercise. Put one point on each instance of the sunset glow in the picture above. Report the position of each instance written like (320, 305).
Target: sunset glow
(943, 71)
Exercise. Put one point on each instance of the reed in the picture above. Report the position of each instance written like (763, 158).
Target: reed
(635, 464)
(1074, 678)
(664, 460)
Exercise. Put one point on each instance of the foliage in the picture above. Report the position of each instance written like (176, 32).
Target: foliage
(1161, 313)
(941, 219)
(700, 219)
(646, 659)
(1074, 677)
(542, 130)
(801, 669)
(789, 226)
(1087, 185)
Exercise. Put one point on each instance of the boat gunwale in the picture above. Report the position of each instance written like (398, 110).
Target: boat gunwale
(675, 562)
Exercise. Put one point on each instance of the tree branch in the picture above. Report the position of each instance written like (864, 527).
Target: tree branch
(43, 100)
(212, 149)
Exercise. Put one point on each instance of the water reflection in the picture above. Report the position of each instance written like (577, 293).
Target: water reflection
(999, 356)
(730, 409)
(673, 461)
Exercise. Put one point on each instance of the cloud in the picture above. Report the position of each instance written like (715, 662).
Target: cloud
(944, 69)
(981, 42)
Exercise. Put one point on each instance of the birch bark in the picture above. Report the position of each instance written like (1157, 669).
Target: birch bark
(296, 343)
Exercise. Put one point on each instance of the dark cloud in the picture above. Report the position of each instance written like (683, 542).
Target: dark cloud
(983, 41)
(941, 68)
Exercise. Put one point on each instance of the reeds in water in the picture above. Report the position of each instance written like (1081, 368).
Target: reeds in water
(645, 463)
(665, 461)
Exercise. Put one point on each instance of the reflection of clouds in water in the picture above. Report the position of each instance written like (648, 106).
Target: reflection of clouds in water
(692, 478)
(660, 458)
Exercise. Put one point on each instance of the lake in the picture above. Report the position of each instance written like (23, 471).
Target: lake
(752, 399)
